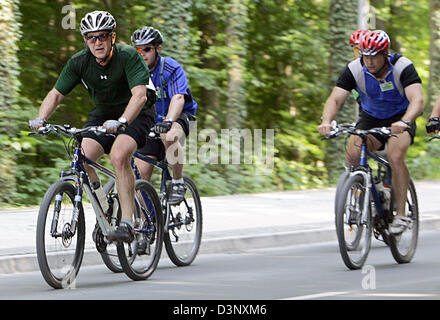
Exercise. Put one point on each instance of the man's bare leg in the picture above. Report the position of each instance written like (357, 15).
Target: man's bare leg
(175, 156)
(145, 169)
(353, 154)
(174, 150)
(92, 150)
(121, 153)
(397, 148)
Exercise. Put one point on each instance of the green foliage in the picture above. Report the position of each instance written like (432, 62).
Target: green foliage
(256, 64)
(9, 85)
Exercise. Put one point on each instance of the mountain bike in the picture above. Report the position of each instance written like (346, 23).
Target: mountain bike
(182, 222)
(365, 205)
(60, 236)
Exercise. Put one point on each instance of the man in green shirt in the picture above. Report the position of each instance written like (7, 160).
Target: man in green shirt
(116, 77)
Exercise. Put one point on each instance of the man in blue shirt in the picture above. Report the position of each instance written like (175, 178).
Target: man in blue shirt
(175, 107)
(391, 96)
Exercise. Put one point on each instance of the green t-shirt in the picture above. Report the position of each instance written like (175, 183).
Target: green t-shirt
(109, 86)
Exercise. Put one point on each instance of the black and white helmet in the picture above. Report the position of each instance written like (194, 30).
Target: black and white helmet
(97, 21)
(146, 35)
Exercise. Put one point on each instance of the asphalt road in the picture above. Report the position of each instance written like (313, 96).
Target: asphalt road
(292, 273)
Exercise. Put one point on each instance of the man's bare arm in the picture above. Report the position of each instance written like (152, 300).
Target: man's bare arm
(414, 93)
(137, 101)
(331, 108)
(48, 106)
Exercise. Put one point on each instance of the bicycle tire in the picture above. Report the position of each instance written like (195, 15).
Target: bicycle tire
(400, 252)
(140, 266)
(339, 196)
(171, 238)
(351, 202)
(341, 181)
(63, 275)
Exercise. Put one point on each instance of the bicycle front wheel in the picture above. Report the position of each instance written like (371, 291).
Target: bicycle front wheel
(182, 241)
(59, 251)
(342, 179)
(354, 235)
(403, 246)
(139, 258)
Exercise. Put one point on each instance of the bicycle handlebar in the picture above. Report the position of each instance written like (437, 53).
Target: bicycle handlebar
(68, 130)
(350, 128)
(155, 135)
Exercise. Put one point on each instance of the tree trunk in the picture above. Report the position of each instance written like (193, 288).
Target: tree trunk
(235, 32)
(236, 95)
(209, 99)
(9, 85)
(343, 21)
(434, 54)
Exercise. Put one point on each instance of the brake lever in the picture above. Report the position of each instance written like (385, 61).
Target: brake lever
(102, 131)
(331, 135)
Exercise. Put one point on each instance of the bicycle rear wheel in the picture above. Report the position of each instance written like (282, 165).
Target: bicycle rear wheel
(403, 246)
(139, 258)
(354, 236)
(182, 241)
(59, 252)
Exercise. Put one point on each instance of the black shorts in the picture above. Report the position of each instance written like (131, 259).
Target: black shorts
(155, 147)
(366, 122)
(137, 130)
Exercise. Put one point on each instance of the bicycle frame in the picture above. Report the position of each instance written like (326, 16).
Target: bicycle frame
(78, 175)
(366, 172)
(163, 165)
(165, 176)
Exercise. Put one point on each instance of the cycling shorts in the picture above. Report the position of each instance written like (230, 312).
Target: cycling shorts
(155, 147)
(137, 129)
(367, 122)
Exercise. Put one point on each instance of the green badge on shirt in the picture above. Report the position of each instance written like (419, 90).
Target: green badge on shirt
(386, 86)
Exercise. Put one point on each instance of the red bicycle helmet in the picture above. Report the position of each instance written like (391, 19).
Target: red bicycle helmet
(374, 42)
(356, 37)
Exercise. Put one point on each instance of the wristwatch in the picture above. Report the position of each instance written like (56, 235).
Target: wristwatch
(123, 121)
(405, 121)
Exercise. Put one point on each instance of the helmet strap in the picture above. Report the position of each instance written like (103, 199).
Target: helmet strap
(156, 60)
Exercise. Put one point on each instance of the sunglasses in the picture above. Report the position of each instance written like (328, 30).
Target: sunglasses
(102, 37)
(146, 49)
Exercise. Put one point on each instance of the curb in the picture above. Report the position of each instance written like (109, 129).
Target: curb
(20, 263)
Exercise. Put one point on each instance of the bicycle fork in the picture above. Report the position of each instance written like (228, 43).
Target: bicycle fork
(70, 229)
(364, 209)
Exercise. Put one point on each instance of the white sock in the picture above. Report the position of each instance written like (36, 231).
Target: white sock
(178, 181)
(128, 222)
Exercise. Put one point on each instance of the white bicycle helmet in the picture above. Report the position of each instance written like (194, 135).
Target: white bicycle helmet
(97, 21)
(374, 42)
(146, 35)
